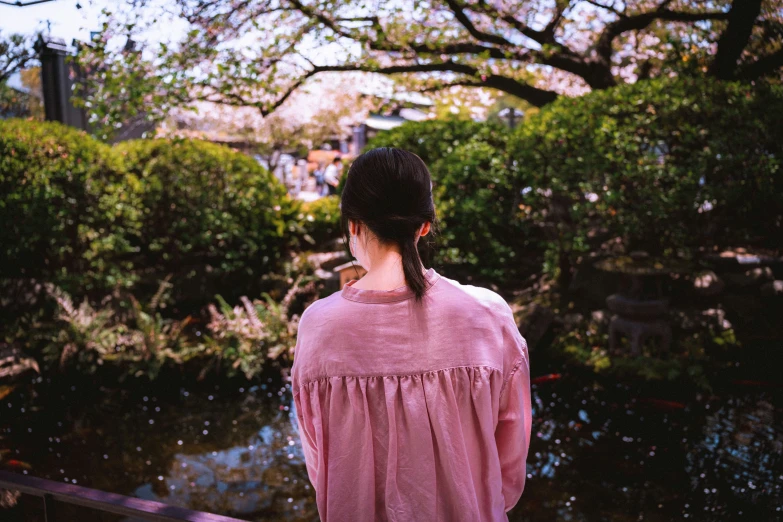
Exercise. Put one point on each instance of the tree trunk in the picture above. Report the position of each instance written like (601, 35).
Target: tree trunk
(734, 39)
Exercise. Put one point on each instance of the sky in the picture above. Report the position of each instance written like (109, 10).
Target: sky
(66, 20)
(62, 19)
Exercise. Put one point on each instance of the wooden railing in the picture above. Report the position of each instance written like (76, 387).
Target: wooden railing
(52, 492)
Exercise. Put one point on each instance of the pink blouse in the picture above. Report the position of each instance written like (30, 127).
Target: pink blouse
(413, 411)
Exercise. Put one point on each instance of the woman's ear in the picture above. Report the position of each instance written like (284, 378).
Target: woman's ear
(425, 229)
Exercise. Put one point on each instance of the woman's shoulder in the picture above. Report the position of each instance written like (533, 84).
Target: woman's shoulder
(320, 307)
(476, 296)
(449, 296)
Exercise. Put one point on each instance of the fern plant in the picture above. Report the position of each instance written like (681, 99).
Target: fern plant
(141, 345)
(246, 336)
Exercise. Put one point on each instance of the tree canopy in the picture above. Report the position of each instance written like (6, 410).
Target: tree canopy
(257, 53)
(16, 52)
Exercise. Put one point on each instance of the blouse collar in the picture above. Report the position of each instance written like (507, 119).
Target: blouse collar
(384, 296)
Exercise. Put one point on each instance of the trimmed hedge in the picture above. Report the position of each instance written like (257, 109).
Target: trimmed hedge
(320, 220)
(483, 229)
(87, 217)
(667, 166)
(213, 217)
(66, 215)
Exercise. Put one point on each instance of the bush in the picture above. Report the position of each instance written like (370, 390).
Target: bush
(66, 215)
(431, 140)
(320, 220)
(214, 218)
(483, 229)
(666, 166)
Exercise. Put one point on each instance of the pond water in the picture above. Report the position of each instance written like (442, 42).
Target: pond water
(599, 451)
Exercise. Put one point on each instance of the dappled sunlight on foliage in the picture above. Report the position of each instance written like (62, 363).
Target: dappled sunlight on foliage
(667, 166)
(320, 220)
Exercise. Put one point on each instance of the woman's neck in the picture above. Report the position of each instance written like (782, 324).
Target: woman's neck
(385, 273)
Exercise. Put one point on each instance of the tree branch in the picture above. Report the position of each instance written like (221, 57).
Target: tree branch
(734, 39)
(500, 83)
(762, 67)
(518, 25)
(640, 21)
(551, 27)
(16, 52)
(463, 19)
(563, 58)
(607, 7)
(373, 19)
(466, 82)
(324, 19)
(560, 55)
(534, 95)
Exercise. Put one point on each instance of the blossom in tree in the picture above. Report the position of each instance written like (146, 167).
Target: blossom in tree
(257, 53)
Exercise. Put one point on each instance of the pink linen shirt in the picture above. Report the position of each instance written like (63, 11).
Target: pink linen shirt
(413, 412)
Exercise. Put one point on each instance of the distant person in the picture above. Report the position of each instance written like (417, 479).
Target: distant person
(412, 390)
(332, 175)
(319, 179)
(301, 175)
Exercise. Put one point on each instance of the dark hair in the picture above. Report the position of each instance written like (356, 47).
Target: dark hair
(336, 159)
(389, 190)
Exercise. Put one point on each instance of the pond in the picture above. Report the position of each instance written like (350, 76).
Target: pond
(600, 451)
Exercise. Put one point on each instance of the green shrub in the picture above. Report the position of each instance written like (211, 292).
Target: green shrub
(320, 220)
(483, 229)
(67, 217)
(213, 217)
(431, 140)
(703, 345)
(666, 166)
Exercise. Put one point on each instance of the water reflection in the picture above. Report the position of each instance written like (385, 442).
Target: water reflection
(598, 452)
(607, 454)
(264, 477)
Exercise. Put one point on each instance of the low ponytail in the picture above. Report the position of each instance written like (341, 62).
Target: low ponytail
(412, 267)
(390, 191)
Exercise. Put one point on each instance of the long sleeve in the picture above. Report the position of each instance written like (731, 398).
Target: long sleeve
(304, 412)
(412, 412)
(309, 446)
(512, 434)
